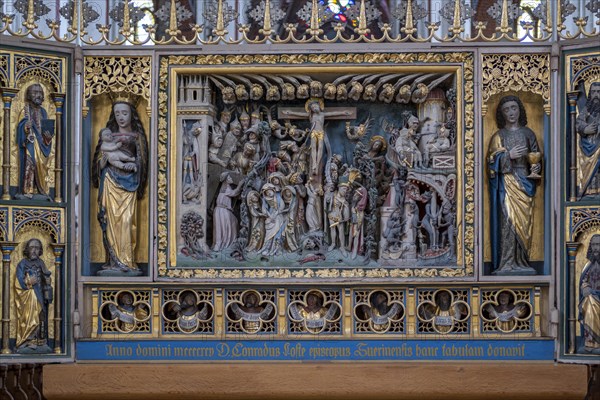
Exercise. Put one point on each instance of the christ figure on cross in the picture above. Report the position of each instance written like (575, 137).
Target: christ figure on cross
(315, 111)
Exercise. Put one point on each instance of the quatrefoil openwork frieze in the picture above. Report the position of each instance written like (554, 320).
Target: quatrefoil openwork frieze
(380, 311)
(315, 311)
(443, 312)
(251, 312)
(505, 311)
(188, 311)
(126, 312)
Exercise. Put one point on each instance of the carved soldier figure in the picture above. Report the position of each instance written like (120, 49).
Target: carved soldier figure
(301, 193)
(243, 161)
(588, 128)
(512, 190)
(359, 204)
(231, 141)
(214, 148)
(33, 294)
(222, 126)
(34, 138)
(589, 297)
(338, 216)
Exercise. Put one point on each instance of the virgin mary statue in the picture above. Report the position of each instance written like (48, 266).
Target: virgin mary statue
(119, 188)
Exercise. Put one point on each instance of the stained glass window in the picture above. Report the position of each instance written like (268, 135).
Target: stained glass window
(338, 7)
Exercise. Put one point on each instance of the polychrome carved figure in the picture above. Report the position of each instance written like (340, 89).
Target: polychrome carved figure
(35, 133)
(588, 128)
(120, 188)
(589, 297)
(33, 294)
(514, 162)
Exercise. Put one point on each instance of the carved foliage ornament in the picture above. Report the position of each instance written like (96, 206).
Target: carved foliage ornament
(583, 220)
(516, 72)
(40, 68)
(129, 74)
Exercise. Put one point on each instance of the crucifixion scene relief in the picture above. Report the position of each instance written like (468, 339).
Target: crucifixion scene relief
(293, 170)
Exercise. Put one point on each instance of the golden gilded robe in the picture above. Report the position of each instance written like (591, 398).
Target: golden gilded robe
(28, 313)
(511, 196)
(121, 228)
(32, 281)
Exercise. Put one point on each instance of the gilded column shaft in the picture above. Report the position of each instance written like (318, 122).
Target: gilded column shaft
(59, 101)
(58, 249)
(571, 255)
(7, 97)
(7, 248)
(572, 96)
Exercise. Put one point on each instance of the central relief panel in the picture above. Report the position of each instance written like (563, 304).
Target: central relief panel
(316, 171)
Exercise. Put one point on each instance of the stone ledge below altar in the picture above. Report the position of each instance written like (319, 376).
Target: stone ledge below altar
(377, 380)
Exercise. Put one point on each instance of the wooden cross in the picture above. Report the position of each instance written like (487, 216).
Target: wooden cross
(315, 112)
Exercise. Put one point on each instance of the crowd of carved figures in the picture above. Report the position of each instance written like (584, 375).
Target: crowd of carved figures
(324, 182)
(316, 311)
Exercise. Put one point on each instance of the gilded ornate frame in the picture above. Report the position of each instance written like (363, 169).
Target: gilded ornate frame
(460, 63)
